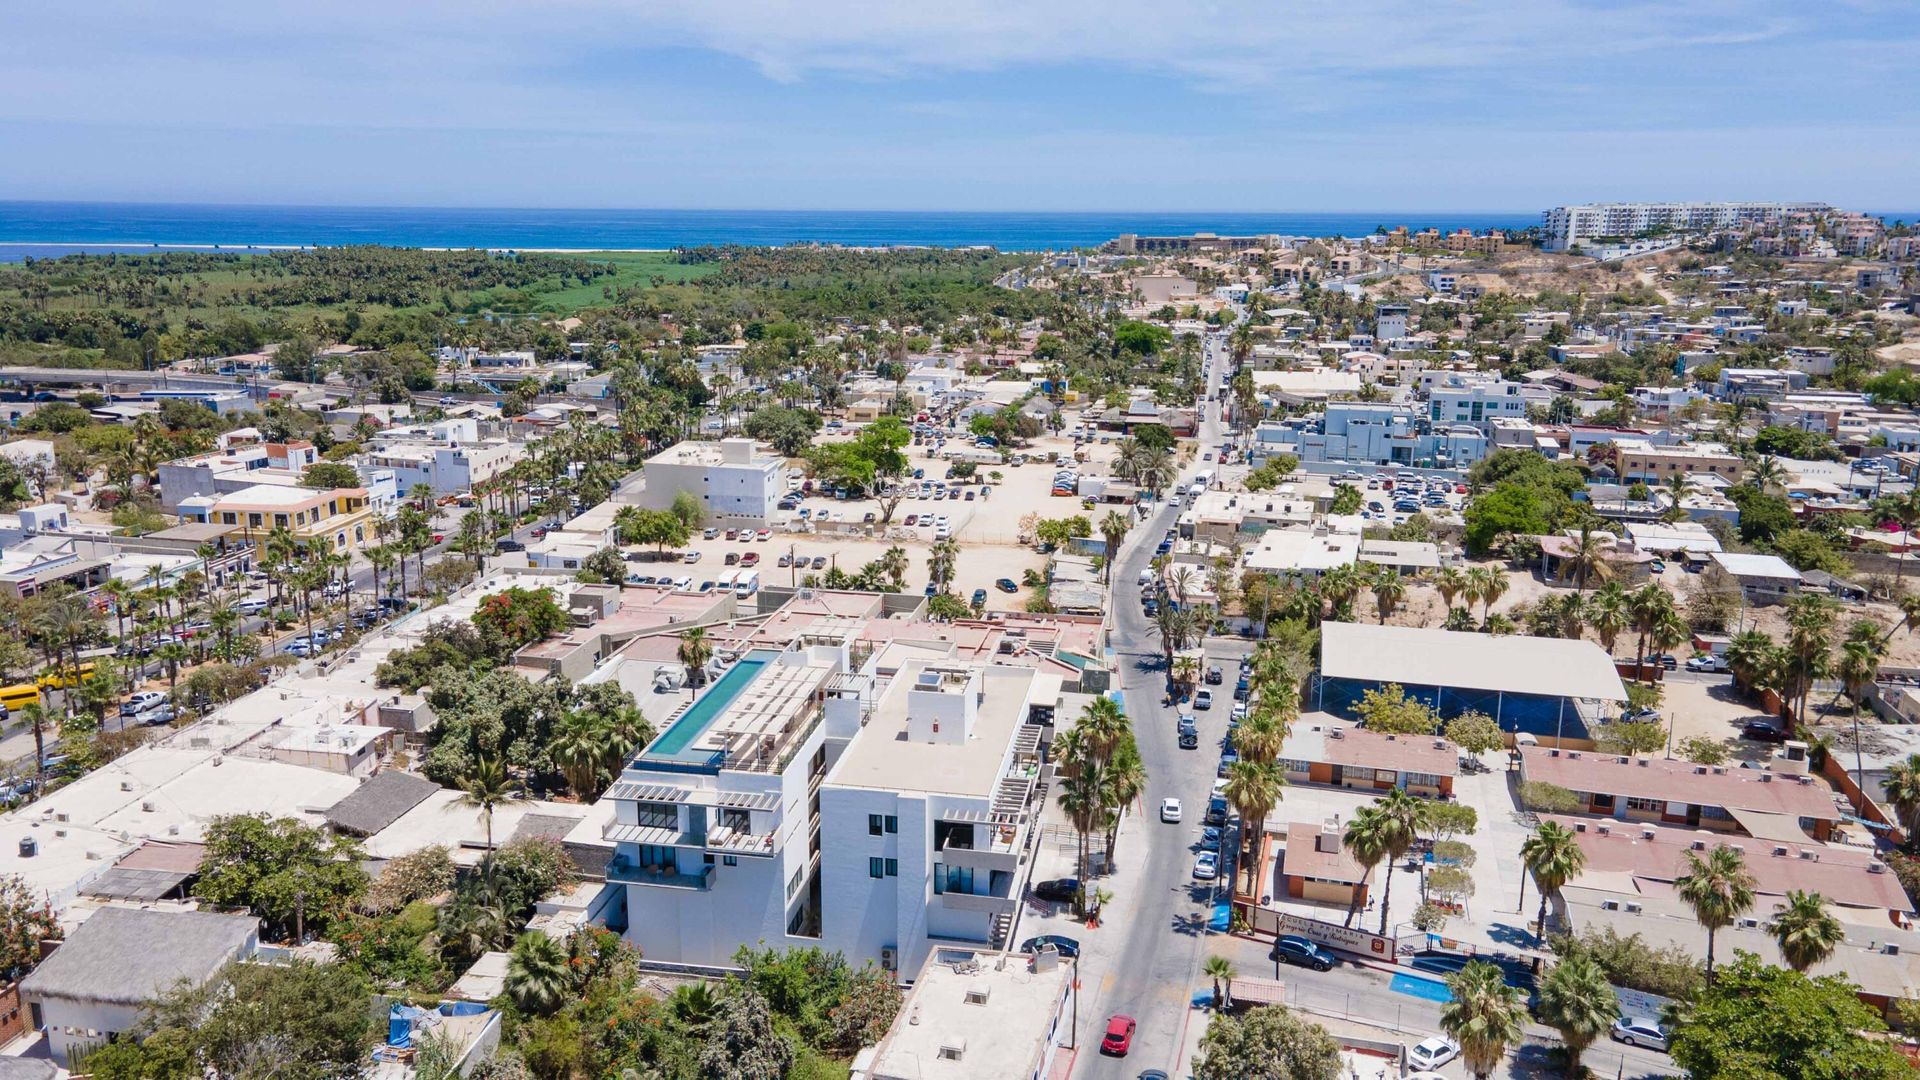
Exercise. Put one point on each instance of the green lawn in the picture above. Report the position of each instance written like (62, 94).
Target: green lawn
(636, 268)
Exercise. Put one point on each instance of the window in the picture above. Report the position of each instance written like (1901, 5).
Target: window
(954, 879)
(874, 824)
(730, 860)
(876, 867)
(737, 820)
(893, 824)
(1657, 805)
(893, 867)
(793, 883)
(657, 815)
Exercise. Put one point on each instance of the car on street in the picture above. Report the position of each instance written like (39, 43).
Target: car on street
(1762, 731)
(1058, 890)
(1065, 946)
(250, 607)
(1170, 811)
(162, 714)
(1206, 866)
(1189, 740)
(539, 531)
(1640, 1031)
(1210, 837)
(1119, 1037)
(142, 702)
(1215, 676)
(1203, 700)
(1433, 1053)
(1300, 952)
(1657, 566)
(1706, 663)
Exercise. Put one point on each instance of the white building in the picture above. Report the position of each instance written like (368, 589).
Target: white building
(977, 1015)
(730, 479)
(797, 802)
(1467, 399)
(1567, 226)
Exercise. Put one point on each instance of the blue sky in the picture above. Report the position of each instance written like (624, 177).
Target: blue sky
(962, 104)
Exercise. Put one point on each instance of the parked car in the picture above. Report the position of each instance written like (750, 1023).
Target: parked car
(1203, 700)
(508, 544)
(819, 562)
(1189, 740)
(1762, 731)
(1170, 811)
(1006, 585)
(786, 559)
(690, 557)
(979, 598)
(158, 715)
(250, 607)
(1433, 1053)
(1062, 944)
(1119, 1037)
(1215, 676)
(733, 558)
(1058, 890)
(1300, 952)
(1206, 866)
(1640, 1031)
(751, 558)
(1706, 663)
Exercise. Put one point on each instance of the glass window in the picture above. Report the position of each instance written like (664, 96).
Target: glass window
(939, 879)
(893, 824)
(874, 824)
(876, 867)
(893, 867)
(657, 815)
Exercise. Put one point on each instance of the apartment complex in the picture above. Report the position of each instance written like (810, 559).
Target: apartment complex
(449, 456)
(1373, 434)
(1568, 226)
(340, 517)
(730, 478)
(1134, 244)
(809, 799)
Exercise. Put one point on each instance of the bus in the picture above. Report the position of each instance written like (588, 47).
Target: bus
(62, 677)
(14, 698)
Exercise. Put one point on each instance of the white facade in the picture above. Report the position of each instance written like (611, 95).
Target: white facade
(1566, 226)
(730, 479)
(813, 805)
(1476, 401)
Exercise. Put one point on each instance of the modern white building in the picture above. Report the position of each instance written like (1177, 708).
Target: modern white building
(876, 811)
(730, 478)
(1373, 434)
(1567, 226)
(1476, 400)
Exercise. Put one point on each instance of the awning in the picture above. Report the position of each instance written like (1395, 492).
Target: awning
(1252, 990)
(1771, 826)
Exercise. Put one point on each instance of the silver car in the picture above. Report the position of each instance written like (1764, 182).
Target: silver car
(1640, 1031)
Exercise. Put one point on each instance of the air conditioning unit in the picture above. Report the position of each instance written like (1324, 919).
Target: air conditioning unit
(1699, 845)
(1633, 908)
(1579, 826)
(1573, 755)
(889, 958)
(1891, 949)
(1649, 833)
(1749, 923)
(1779, 850)
(1876, 868)
(1609, 905)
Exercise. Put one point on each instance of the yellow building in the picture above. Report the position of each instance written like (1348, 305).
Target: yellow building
(340, 517)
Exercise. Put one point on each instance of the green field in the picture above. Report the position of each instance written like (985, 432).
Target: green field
(637, 268)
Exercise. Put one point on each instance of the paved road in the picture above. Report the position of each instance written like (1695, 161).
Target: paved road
(1162, 948)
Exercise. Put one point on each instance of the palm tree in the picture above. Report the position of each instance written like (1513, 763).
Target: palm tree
(539, 977)
(1718, 889)
(1805, 930)
(1365, 839)
(1104, 725)
(1449, 583)
(485, 787)
(579, 749)
(1220, 970)
(1554, 857)
(1113, 529)
(1489, 585)
(1485, 1016)
(1766, 473)
(1389, 590)
(1577, 1000)
(1405, 816)
(1809, 643)
(1749, 655)
(1123, 781)
(695, 651)
(694, 1005)
(1587, 558)
(1859, 665)
(1902, 788)
(1253, 789)
(1648, 604)
(1084, 798)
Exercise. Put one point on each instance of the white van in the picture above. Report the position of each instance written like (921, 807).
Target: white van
(1146, 578)
(1203, 480)
(746, 583)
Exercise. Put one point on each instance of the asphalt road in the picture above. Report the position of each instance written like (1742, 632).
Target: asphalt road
(1164, 939)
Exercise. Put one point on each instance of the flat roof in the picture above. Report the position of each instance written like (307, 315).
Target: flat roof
(1745, 564)
(1323, 737)
(1306, 856)
(995, 1019)
(131, 955)
(1416, 656)
(884, 756)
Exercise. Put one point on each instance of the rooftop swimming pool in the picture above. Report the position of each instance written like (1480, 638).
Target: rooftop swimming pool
(671, 747)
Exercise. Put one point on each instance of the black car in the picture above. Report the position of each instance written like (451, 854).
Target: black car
(1189, 740)
(1215, 676)
(1299, 952)
(1761, 731)
(509, 545)
(1059, 890)
(1065, 946)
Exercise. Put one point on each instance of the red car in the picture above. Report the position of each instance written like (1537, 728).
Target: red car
(1119, 1037)
(751, 558)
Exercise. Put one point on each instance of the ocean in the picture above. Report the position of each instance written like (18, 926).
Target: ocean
(47, 229)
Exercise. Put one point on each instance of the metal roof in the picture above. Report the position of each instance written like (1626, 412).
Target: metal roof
(1514, 664)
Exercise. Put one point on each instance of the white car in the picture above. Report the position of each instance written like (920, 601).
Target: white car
(1206, 866)
(1640, 1031)
(1433, 1053)
(1170, 811)
(144, 701)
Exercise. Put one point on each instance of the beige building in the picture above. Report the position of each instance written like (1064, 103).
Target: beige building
(1636, 459)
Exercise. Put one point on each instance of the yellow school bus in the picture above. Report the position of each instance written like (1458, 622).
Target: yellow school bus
(14, 698)
(62, 677)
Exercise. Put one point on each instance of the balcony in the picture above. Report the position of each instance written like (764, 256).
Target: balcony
(626, 872)
(990, 905)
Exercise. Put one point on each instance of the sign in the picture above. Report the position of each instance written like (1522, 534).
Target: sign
(1349, 938)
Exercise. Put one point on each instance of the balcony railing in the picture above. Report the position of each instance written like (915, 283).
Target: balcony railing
(627, 872)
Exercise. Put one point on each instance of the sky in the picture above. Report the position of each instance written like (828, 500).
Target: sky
(1494, 105)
